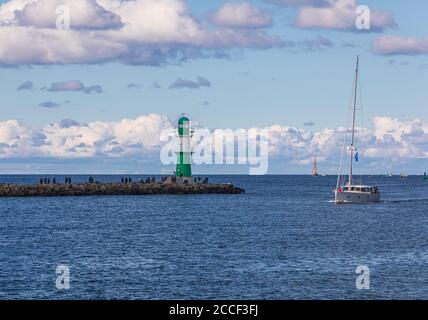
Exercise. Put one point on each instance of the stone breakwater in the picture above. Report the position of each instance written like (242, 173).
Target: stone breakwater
(113, 189)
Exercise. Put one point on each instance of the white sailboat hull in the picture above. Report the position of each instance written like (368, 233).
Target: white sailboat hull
(356, 197)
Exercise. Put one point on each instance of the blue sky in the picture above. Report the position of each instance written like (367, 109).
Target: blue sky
(280, 85)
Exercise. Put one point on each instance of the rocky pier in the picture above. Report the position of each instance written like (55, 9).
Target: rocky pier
(114, 189)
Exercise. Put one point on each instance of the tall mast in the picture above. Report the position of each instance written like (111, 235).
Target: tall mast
(353, 122)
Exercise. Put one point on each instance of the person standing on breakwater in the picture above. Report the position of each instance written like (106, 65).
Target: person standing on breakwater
(54, 180)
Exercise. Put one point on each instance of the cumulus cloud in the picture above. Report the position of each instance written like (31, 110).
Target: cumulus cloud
(409, 138)
(182, 83)
(71, 139)
(242, 14)
(15, 138)
(341, 15)
(74, 85)
(27, 85)
(397, 45)
(84, 14)
(150, 32)
(391, 141)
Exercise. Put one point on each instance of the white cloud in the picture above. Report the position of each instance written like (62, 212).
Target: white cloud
(135, 32)
(341, 15)
(397, 45)
(401, 139)
(15, 139)
(390, 141)
(69, 139)
(241, 14)
(49, 46)
(84, 14)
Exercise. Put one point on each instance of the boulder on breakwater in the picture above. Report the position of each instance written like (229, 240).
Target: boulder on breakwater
(113, 189)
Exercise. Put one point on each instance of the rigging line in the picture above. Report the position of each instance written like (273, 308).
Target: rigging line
(362, 110)
(362, 144)
(345, 136)
(351, 149)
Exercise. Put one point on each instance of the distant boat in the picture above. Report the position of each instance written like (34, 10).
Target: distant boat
(425, 176)
(315, 170)
(354, 193)
(403, 176)
(388, 175)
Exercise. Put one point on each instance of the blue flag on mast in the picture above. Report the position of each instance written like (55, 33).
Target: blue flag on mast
(356, 157)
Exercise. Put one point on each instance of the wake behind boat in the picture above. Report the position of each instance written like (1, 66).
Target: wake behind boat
(354, 193)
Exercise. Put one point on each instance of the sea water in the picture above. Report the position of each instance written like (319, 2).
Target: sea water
(283, 239)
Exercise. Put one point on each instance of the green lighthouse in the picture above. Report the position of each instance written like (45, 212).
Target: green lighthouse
(183, 171)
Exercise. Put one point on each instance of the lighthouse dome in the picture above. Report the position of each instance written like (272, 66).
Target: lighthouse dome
(184, 126)
(183, 120)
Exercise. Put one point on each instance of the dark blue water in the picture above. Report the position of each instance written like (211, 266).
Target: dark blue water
(281, 240)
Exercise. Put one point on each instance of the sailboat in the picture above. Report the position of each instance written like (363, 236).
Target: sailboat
(354, 193)
(315, 170)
